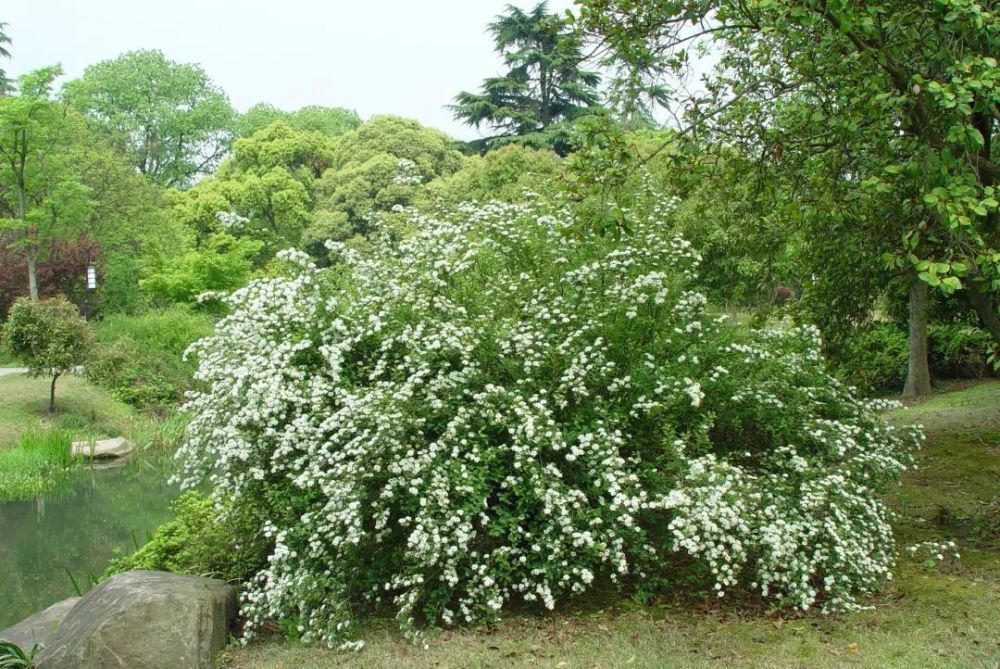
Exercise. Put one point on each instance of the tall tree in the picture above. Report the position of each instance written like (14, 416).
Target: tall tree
(5, 41)
(171, 119)
(41, 195)
(375, 167)
(545, 81)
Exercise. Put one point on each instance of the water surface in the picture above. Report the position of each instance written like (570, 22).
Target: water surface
(96, 516)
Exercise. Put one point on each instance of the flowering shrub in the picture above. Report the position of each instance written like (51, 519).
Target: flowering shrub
(495, 411)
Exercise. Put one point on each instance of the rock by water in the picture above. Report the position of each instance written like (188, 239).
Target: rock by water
(144, 620)
(104, 448)
(38, 628)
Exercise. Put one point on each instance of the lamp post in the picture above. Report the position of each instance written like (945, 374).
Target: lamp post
(91, 285)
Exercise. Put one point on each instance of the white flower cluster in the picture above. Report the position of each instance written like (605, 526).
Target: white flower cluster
(407, 174)
(936, 550)
(495, 410)
(230, 220)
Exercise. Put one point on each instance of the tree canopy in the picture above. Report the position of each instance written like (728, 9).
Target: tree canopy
(5, 41)
(170, 118)
(545, 82)
(329, 121)
(907, 92)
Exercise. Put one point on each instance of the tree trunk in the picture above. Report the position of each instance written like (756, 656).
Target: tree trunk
(52, 394)
(32, 277)
(985, 308)
(918, 375)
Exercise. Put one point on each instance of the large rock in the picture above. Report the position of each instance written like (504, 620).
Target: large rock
(144, 620)
(38, 628)
(104, 448)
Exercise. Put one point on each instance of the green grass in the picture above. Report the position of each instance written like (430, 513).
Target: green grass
(80, 408)
(945, 616)
(35, 465)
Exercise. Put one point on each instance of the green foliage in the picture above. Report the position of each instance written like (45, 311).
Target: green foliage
(5, 83)
(875, 359)
(502, 174)
(876, 117)
(222, 263)
(263, 192)
(958, 350)
(14, 657)
(119, 290)
(49, 337)
(43, 196)
(281, 144)
(545, 82)
(380, 165)
(328, 121)
(34, 465)
(202, 540)
(139, 359)
(169, 117)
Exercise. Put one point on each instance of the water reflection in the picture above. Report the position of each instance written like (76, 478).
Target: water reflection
(95, 516)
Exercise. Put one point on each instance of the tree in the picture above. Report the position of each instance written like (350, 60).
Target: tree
(5, 85)
(545, 82)
(375, 167)
(221, 263)
(49, 337)
(171, 119)
(41, 195)
(266, 184)
(500, 175)
(328, 121)
(916, 83)
(63, 271)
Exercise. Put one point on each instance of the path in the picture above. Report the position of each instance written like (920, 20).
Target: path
(4, 371)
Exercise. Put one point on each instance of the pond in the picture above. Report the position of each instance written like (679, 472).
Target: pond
(96, 516)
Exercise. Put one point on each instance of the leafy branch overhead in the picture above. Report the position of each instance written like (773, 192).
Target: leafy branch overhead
(909, 91)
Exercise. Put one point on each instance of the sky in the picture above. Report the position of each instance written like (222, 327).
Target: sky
(404, 57)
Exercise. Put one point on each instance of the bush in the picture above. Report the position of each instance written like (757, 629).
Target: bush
(875, 359)
(221, 263)
(196, 542)
(139, 359)
(959, 350)
(496, 411)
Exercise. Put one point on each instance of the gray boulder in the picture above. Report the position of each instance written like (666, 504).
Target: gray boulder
(144, 620)
(38, 628)
(103, 448)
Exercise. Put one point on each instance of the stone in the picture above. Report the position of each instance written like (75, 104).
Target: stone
(104, 448)
(38, 628)
(144, 620)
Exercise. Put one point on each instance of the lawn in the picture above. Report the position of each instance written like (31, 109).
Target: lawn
(945, 615)
(80, 408)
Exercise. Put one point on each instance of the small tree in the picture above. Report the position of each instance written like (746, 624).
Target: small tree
(48, 336)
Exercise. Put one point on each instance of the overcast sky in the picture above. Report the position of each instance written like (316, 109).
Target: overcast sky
(405, 57)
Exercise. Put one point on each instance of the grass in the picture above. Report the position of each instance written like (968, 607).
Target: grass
(35, 465)
(941, 616)
(80, 408)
